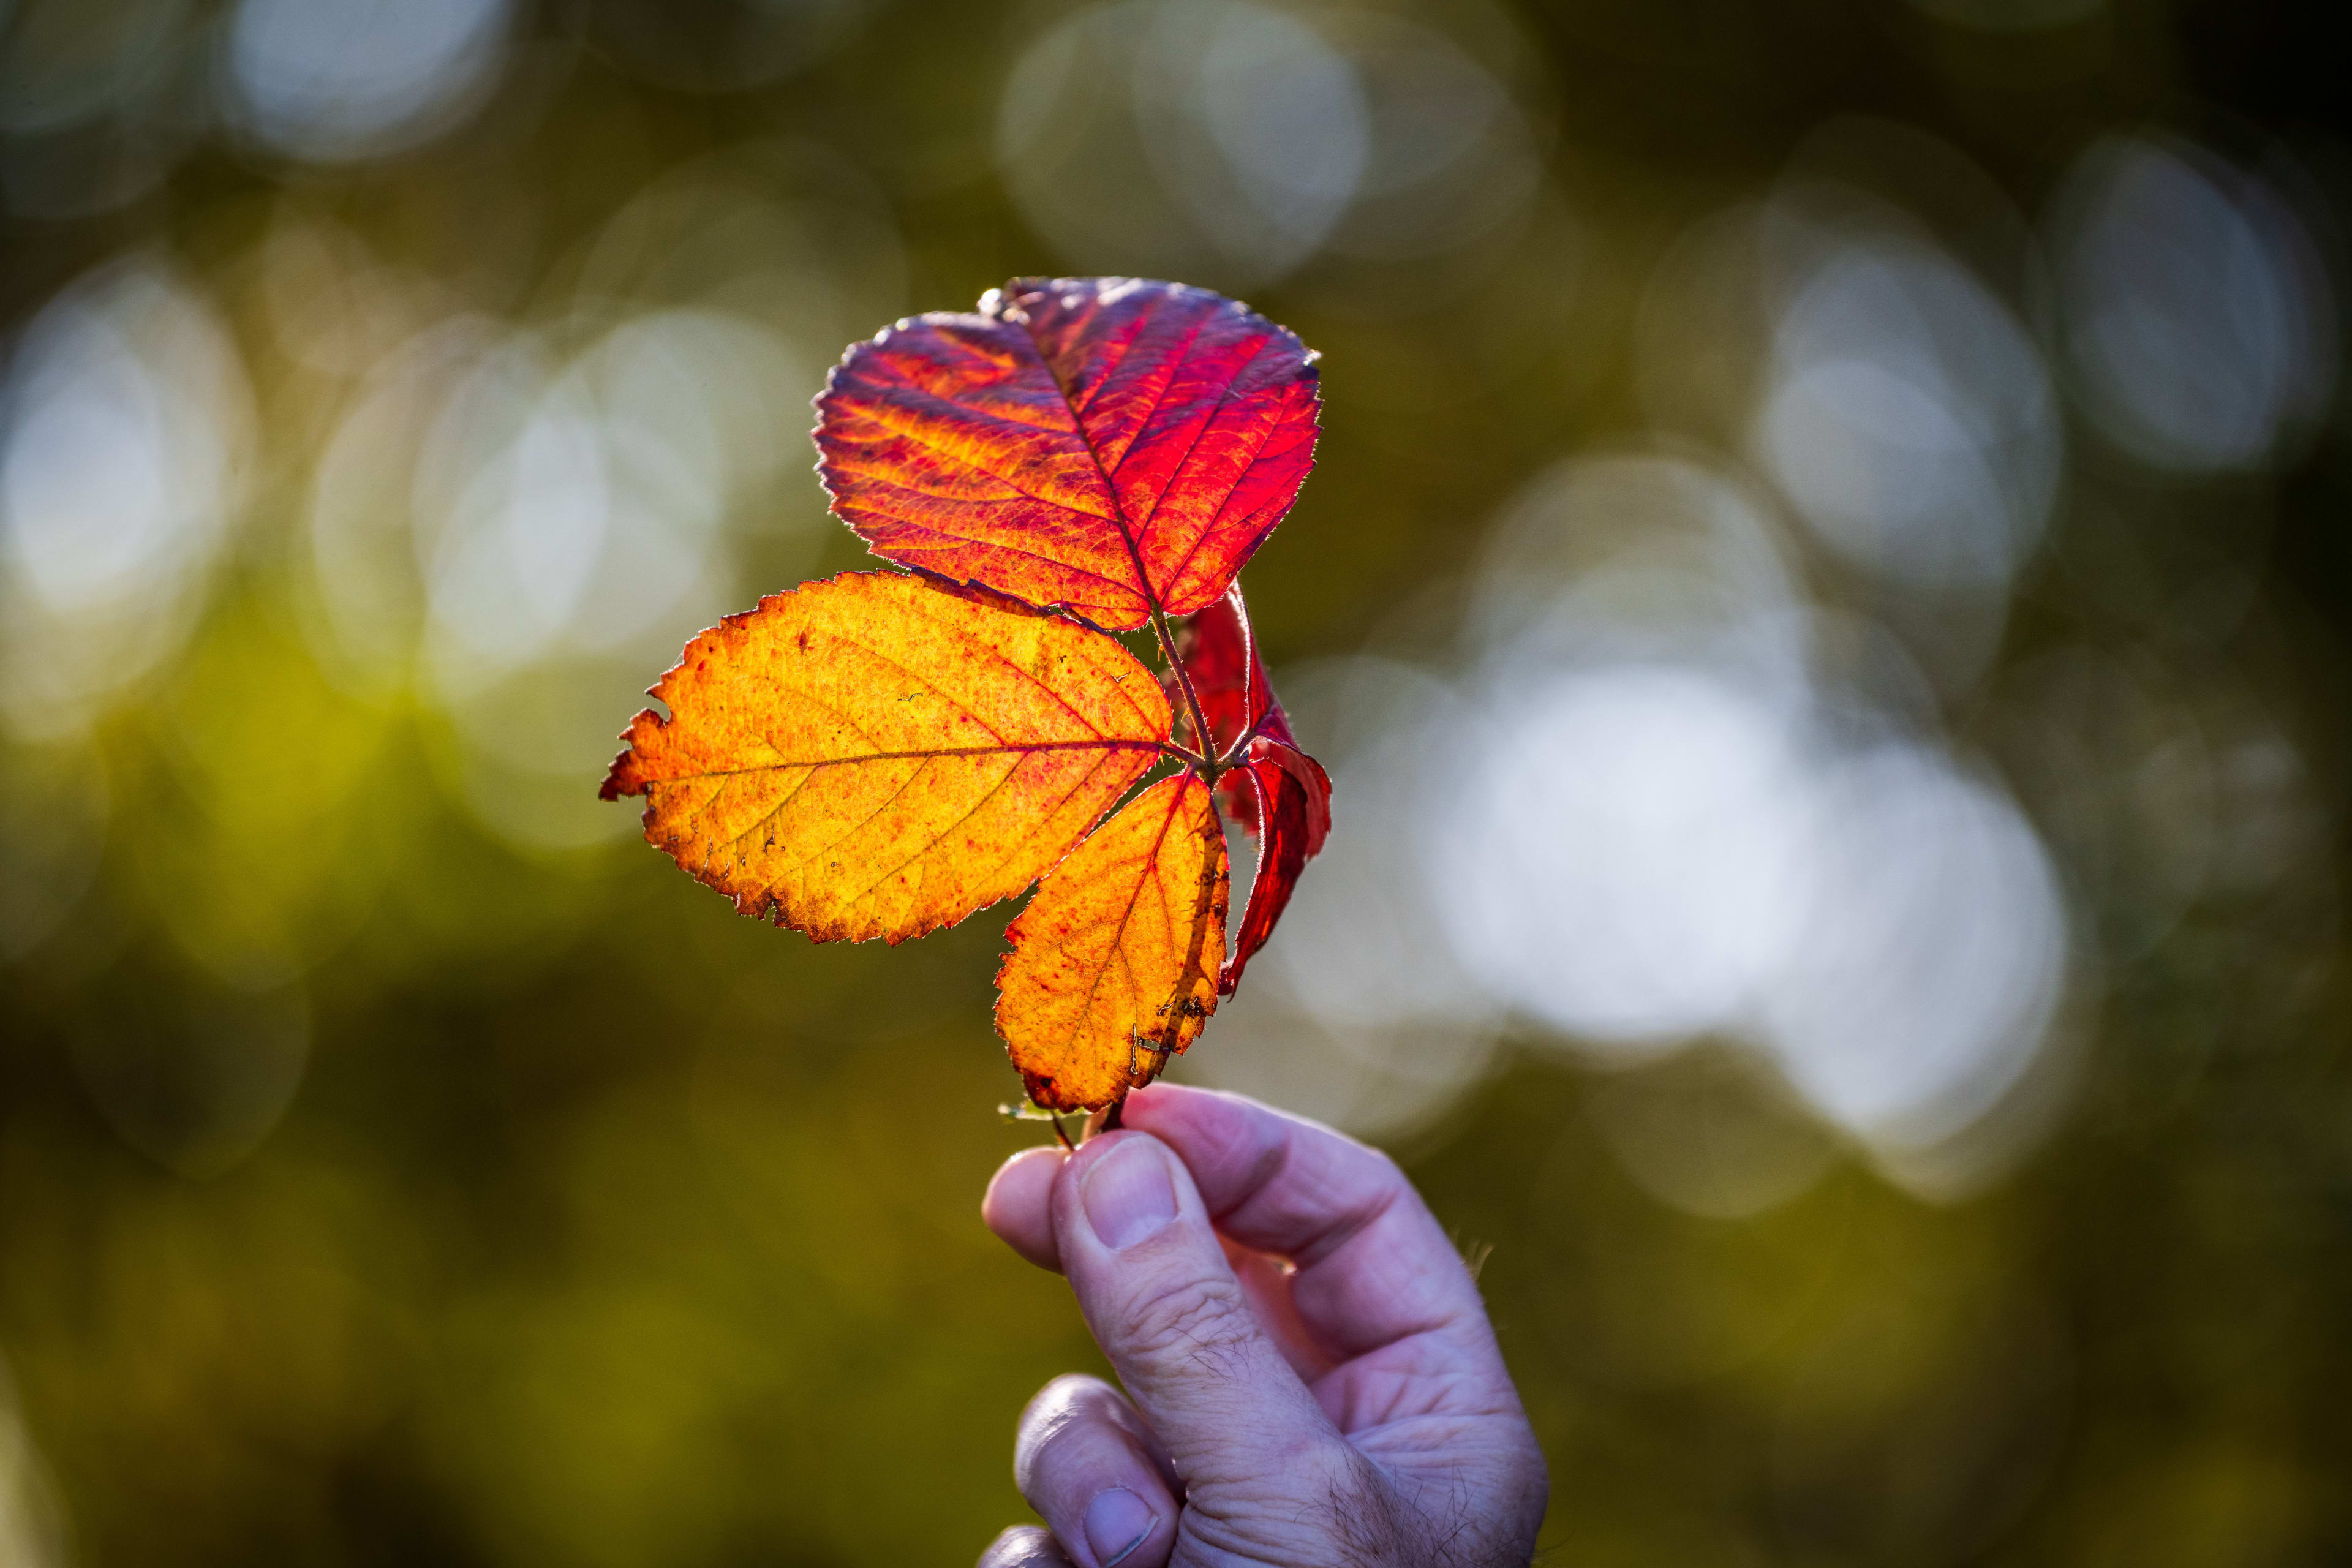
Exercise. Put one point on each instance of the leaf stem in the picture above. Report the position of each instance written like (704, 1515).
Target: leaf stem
(1233, 751)
(1250, 709)
(1206, 764)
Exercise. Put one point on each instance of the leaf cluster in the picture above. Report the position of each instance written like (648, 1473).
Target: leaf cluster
(883, 753)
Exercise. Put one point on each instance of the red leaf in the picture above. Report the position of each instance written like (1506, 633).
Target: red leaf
(1292, 797)
(1278, 791)
(1113, 444)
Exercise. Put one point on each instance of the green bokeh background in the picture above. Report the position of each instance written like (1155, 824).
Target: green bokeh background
(607, 1228)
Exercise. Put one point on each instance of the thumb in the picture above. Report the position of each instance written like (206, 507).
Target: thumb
(1153, 1282)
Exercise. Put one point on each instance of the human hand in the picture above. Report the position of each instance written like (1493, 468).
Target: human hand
(1314, 1381)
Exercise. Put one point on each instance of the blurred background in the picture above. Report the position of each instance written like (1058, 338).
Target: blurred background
(1824, 600)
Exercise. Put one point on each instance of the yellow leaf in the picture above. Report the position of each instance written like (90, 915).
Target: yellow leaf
(877, 755)
(1114, 963)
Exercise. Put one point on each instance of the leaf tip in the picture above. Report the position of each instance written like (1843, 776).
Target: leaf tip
(626, 775)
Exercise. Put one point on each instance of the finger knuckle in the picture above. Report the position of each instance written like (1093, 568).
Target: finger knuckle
(1201, 1321)
(1386, 1178)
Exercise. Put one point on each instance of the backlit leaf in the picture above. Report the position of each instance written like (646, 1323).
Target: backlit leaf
(1114, 964)
(877, 755)
(1276, 791)
(1113, 444)
(1290, 798)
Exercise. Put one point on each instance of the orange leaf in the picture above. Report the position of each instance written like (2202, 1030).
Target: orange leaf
(877, 755)
(1114, 963)
(1117, 446)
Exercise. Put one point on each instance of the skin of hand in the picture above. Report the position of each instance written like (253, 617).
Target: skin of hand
(1310, 1377)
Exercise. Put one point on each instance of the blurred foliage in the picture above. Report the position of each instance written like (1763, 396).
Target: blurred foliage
(400, 1163)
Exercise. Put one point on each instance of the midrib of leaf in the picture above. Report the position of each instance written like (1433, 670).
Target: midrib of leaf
(1118, 946)
(1111, 488)
(1159, 612)
(1010, 749)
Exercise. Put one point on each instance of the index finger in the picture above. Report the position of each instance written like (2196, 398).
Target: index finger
(1373, 1264)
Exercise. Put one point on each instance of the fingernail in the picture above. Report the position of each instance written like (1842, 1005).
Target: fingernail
(1117, 1522)
(1128, 1196)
